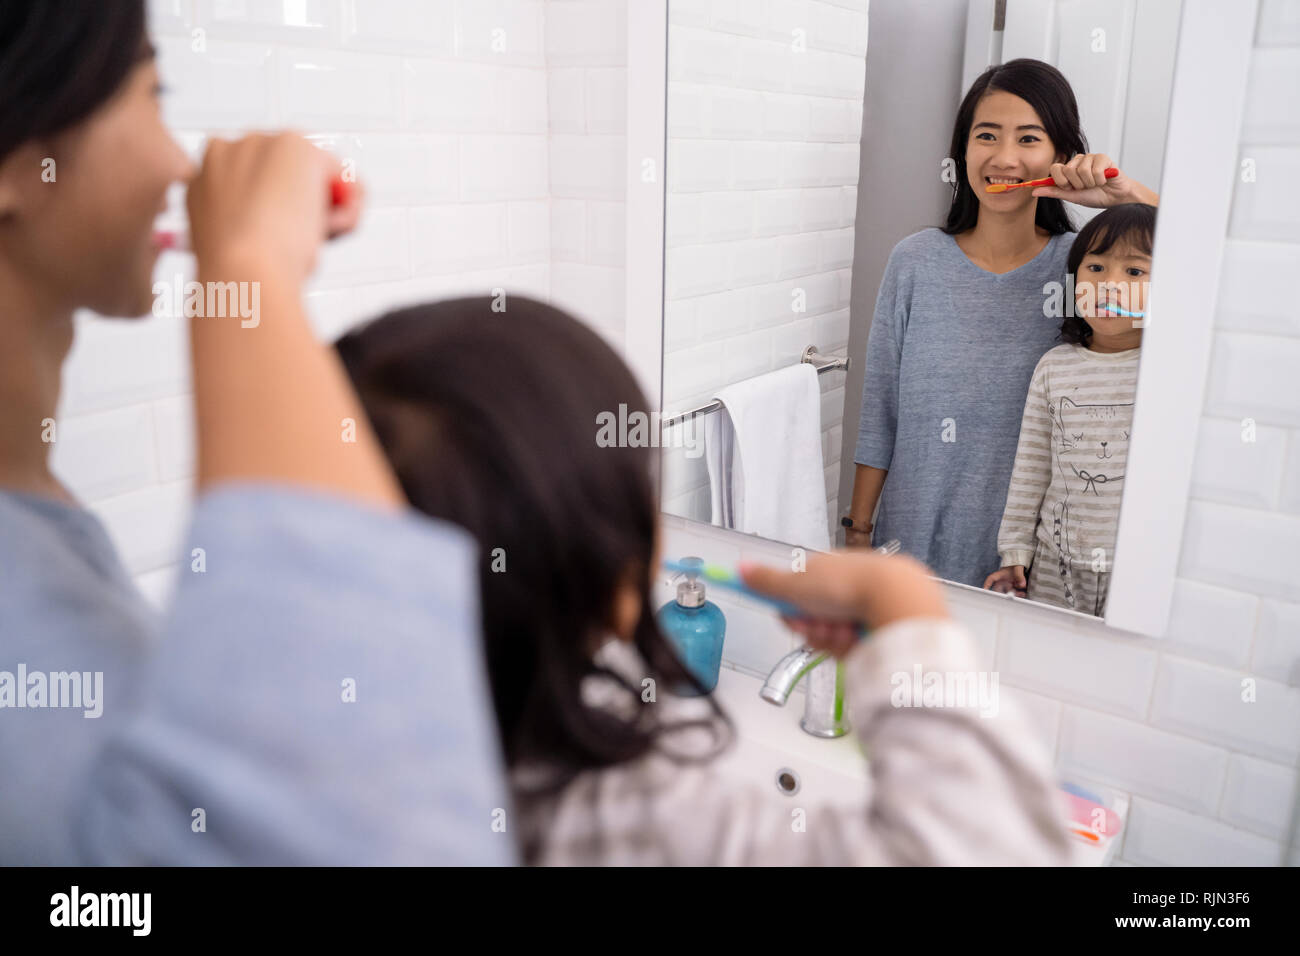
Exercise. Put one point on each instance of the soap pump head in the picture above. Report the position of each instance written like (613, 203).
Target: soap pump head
(690, 589)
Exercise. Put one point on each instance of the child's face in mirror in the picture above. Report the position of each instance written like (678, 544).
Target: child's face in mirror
(1110, 281)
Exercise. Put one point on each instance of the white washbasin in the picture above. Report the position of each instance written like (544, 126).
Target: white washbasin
(772, 753)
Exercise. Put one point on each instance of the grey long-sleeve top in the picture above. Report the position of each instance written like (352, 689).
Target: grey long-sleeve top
(236, 704)
(1068, 478)
(949, 358)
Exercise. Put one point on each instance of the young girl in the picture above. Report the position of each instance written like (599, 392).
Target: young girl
(490, 420)
(1064, 496)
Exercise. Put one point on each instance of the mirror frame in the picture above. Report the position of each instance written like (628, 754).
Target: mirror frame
(1205, 116)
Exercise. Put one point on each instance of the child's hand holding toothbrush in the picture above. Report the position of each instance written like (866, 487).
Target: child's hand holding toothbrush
(845, 589)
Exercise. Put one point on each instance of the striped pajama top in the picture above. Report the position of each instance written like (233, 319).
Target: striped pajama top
(1071, 456)
(947, 785)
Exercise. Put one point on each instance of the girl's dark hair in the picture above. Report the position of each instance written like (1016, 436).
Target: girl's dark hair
(1133, 223)
(490, 420)
(60, 60)
(1044, 88)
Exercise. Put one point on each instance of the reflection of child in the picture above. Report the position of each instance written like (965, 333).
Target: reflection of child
(1063, 500)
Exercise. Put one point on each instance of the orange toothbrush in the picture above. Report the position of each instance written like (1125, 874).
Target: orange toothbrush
(1111, 173)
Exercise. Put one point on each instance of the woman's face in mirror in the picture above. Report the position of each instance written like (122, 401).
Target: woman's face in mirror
(86, 236)
(1007, 144)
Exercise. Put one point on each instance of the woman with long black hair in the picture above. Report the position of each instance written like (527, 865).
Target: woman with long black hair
(962, 317)
(224, 733)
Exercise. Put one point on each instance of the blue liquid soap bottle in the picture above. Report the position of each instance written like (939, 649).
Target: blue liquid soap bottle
(695, 627)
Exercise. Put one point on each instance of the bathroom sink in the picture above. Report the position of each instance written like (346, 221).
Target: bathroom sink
(774, 755)
(796, 769)
(790, 777)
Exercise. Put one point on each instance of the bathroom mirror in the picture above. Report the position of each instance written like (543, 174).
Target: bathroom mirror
(807, 143)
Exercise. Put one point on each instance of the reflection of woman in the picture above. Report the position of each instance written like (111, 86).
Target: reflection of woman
(962, 318)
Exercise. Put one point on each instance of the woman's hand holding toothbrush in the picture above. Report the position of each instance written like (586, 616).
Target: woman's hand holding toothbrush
(271, 199)
(843, 590)
(270, 399)
(1082, 180)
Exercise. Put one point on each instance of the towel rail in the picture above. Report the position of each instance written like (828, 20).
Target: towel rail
(824, 363)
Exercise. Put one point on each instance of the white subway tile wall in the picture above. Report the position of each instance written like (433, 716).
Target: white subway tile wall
(586, 59)
(1201, 728)
(477, 179)
(764, 120)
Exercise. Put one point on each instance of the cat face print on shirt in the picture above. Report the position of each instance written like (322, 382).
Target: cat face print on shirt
(1091, 443)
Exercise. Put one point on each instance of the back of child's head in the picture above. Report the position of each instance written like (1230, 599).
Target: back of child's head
(1128, 225)
(490, 420)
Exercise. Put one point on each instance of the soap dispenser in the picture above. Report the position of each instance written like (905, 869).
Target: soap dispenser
(695, 627)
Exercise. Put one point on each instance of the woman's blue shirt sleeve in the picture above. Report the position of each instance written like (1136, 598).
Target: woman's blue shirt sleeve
(878, 422)
(318, 696)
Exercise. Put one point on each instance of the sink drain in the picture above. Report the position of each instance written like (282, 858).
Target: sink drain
(787, 781)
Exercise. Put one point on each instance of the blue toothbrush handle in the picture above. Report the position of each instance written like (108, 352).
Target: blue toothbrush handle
(732, 582)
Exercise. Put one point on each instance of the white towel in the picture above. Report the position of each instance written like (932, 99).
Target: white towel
(764, 452)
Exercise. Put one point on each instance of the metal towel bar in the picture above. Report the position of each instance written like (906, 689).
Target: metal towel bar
(824, 363)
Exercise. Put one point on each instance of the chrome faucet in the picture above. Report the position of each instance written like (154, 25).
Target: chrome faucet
(824, 714)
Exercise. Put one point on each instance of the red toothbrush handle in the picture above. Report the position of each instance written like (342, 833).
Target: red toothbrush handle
(1111, 173)
(340, 191)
